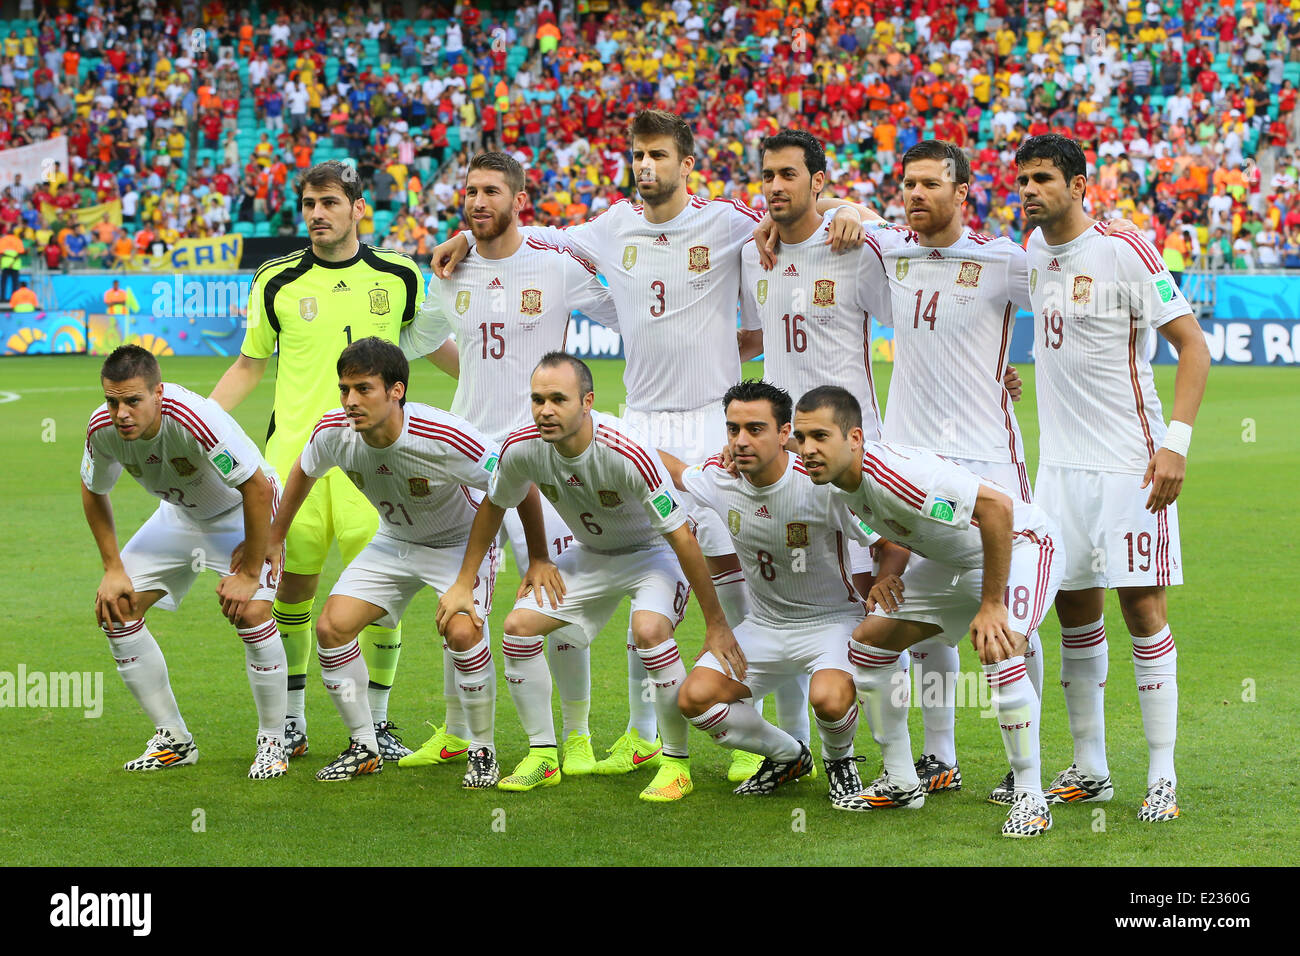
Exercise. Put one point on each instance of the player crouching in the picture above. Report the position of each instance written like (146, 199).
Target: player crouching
(216, 491)
(792, 541)
(415, 464)
(982, 563)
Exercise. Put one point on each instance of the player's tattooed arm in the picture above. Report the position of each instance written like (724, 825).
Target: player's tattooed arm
(1167, 468)
(718, 638)
(990, 630)
(238, 381)
(459, 598)
(542, 575)
(115, 598)
(237, 588)
(888, 589)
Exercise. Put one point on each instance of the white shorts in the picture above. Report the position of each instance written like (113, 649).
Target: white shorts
(595, 584)
(1012, 477)
(389, 573)
(558, 536)
(936, 593)
(774, 655)
(170, 550)
(693, 436)
(1108, 537)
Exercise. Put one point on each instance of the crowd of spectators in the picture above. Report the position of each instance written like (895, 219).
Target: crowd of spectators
(196, 117)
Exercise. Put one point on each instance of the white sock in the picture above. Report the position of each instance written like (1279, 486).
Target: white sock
(144, 671)
(1084, 662)
(738, 726)
(344, 674)
(732, 595)
(837, 735)
(792, 707)
(664, 664)
(456, 723)
(570, 660)
(296, 706)
(1034, 662)
(883, 688)
(1018, 709)
(1155, 664)
(530, 687)
(377, 695)
(268, 671)
(476, 686)
(641, 714)
(935, 679)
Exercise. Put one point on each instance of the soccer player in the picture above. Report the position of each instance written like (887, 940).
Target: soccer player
(308, 306)
(507, 305)
(612, 490)
(673, 267)
(792, 542)
(1104, 443)
(990, 570)
(216, 491)
(415, 464)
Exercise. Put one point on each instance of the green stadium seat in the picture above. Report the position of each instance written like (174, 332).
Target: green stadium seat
(244, 228)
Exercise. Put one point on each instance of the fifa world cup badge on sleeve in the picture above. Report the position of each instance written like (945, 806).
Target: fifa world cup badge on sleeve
(491, 464)
(762, 291)
(663, 504)
(942, 509)
(225, 462)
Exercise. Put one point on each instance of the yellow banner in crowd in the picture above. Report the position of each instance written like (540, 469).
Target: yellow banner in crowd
(216, 254)
(86, 215)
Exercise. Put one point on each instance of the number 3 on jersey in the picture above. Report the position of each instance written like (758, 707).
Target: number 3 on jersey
(659, 307)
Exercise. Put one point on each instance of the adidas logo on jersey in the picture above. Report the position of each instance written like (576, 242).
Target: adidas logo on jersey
(495, 284)
(342, 287)
(383, 470)
(762, 512)
(662, 240)
(574, 481)
(935, 254)
(790, 270)
(153, 460)
(1053, 266)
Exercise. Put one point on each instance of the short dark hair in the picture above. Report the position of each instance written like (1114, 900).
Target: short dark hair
(501, 163)
(1064, 153)
(374, 356)
(754, 390)
(332, 172)
(131, 361)
(663, 123)
(950, 154)
(814, 156)
(580, 369)
(845, 409)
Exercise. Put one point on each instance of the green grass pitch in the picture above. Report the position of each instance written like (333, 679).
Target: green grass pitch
(66, 800)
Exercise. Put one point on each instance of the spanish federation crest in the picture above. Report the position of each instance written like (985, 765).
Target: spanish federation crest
(307, 308)
(629, 257)
(1082, 289)
(419, 487)
(609, 499)
(183, 467)
(1033, 279)
(530, 302)
(969, 274)
(733, 521)
(796, 535)
(762, 291)
(135, 471)
(379, 301)
(900, 269)
(550, 491)
(698, 260)
(356, 479)
(824, 292)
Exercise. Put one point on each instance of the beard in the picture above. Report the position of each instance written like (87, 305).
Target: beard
(488, 231)
(657, 192)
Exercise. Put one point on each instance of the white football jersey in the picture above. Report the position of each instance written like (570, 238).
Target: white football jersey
(954, 311)
(420, 483)
(615, 496)
(195, 463)
(505, 315)
(1097, 301)
(792, 540)
(814, 307)
(676, 285)
(924, 502)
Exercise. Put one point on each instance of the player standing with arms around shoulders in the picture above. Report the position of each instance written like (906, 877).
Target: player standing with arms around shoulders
(216, 492)
(1104, 443)
(307, 307)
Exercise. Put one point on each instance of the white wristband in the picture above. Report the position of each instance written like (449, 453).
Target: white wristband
(1178, 438)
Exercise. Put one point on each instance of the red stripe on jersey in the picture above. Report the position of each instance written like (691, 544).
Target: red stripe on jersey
(1144, 250)
(844, 574)
(451, 429)
(454, 437)
(96, 424)
(1162, 546)
(742, 207)
(198, 421)
(866, 364)
(329, 422)
(980, 238)
(1006, 396)
(714, 462)
(896, 483)
(469, 498)
(520, 435)
(186, 424)
(621, 443)
(1137, 388)
(798, 466)
(542, 245)
(875, 247)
